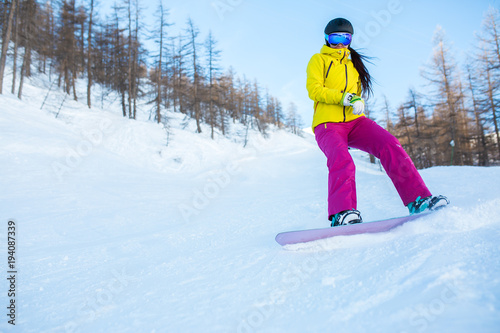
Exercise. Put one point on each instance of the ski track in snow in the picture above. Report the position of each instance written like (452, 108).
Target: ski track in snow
(131, 235)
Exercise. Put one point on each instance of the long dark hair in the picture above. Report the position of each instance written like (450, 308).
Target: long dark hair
(364, 75)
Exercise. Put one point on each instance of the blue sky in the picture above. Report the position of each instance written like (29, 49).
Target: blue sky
(272, 41)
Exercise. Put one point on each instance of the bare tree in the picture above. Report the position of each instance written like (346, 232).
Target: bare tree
(413, 104)
(128, 4)
(490, 59)
(160, 37)
(6, 41)
(16, 48)
(46, 37)
(213, 56)
(66, 45)
(28, 33)
(490, 90)
(443, 75)
(478, 116)
(294, 120)
(179, 74)
(89, 55)
(388, 115)
(117, 78)
(491, 35)
(192, 45)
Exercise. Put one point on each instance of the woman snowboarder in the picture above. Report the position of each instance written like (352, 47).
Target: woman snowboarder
(336, 80)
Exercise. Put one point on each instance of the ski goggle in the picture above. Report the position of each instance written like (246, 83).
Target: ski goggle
(336, 38)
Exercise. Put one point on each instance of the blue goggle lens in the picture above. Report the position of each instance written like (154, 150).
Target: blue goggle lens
(338, 38)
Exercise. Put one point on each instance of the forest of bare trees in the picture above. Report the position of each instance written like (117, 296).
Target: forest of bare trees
(456, 121)
(180, 73)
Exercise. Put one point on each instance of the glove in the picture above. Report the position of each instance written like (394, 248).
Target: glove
(357, 103)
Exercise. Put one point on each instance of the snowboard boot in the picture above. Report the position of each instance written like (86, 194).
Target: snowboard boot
(431, 203)
(346, 217)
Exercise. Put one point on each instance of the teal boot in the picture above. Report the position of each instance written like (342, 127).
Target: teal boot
(427, 204)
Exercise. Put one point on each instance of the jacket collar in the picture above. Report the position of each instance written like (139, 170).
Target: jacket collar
(336, 53)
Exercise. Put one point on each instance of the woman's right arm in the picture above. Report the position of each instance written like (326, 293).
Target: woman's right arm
(316, 83)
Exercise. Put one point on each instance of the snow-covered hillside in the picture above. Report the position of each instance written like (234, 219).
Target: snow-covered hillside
(119, 232)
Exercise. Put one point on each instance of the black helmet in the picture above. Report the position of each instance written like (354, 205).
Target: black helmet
(339, 25)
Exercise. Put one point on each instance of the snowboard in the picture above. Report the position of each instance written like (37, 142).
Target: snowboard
(303, 236)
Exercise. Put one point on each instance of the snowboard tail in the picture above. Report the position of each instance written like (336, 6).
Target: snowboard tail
(302, 236)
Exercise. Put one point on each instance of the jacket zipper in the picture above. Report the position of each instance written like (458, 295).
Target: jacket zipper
(328, 71)
(345, 89)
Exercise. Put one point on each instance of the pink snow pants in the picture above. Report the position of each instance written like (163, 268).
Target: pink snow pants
(364, 134)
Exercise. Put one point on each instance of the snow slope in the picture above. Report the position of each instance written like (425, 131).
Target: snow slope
(120, 232)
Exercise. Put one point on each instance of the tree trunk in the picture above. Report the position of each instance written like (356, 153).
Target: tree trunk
(21, 81)
(6, 41)
(129, 72)
(14, 66)
(160, 66)
(89, 56)
(481, 139)
(193, 34)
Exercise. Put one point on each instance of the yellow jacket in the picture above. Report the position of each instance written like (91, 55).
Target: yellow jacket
(329, 74)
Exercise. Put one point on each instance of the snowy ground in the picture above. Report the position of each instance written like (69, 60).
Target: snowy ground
(118, 232)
